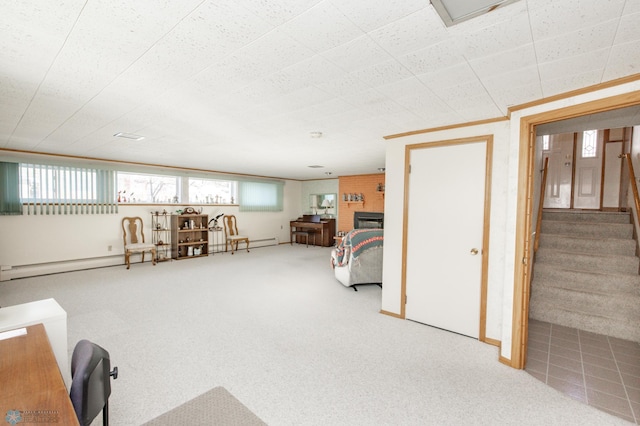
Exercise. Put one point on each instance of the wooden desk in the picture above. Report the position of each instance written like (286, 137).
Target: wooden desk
(327, 229)
(31, 382)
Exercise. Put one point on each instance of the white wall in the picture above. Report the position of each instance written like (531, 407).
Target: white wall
(504, 202)
(394, 212)
(36, 244)
(319, 186)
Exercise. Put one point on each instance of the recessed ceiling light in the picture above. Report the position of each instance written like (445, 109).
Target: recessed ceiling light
(315, 134)
(315, 167)
(455, 11)
(129, 136)
(381, 169)
(328, 173)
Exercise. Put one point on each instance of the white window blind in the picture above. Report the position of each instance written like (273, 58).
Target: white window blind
(52, 189)
(260, 196)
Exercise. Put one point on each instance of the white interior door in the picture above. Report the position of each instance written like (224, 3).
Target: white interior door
(557, 194)
(588, 175)
(445, 236)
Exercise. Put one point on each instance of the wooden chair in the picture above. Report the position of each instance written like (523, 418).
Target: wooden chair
(132, 228)
(231, 234)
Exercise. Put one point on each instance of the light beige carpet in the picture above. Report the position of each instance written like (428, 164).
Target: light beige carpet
(215, 407)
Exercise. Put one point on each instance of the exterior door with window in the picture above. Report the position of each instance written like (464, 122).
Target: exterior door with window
(588, 173)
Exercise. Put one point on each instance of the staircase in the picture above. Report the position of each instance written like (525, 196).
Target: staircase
(586, 273)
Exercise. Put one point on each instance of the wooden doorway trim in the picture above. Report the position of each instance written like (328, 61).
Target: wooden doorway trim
(526, 169)
(488, 140)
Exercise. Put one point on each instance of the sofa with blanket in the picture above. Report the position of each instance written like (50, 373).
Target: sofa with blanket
(358, 257)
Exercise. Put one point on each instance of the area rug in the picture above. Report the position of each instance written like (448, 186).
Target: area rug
(215, 407)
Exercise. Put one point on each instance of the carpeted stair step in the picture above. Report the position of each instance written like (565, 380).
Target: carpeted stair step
(549, 275)
(626, 247)
(550, 311)
(615, 306)
(586, 216)
(589, 261)
(588, 229)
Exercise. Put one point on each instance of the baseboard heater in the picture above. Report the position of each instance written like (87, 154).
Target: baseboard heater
(263, 242)
(22, 271)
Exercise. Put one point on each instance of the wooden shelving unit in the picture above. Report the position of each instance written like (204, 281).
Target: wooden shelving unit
(189, 236)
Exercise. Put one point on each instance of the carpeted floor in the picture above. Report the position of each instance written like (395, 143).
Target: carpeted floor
(277, 330)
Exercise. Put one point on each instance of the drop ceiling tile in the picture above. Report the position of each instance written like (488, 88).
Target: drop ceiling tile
(576, 43)
(322, 27)
(589, 61)
(356, 54)
(448, 77)
(631, 7)
(34, 47)
(515, 88)
(274, 51)
(344, 85)
(404, 88)
(314, 71)
(624, 59)
(504, 62)
(383, 73)
(330, 107)
(628, 29)
(502, 36)
(412, 33)
(566, 83)
(277, 12)
(471, 94)
(550, 19)
(368, 17)
(433, 58)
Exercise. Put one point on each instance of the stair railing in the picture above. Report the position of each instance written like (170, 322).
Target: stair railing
(536, 240)
(632, 181)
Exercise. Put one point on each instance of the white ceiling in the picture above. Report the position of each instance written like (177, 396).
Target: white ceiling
(238, 85)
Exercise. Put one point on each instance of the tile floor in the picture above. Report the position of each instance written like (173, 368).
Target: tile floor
(598, 370)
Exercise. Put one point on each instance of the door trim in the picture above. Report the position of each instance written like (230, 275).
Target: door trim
(522, 278)
(488, 140)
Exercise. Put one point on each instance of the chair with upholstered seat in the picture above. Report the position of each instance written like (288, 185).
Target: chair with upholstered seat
(90, 382)
(231, 234)
(133, 237)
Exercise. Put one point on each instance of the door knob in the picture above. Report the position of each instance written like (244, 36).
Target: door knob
(474, 251)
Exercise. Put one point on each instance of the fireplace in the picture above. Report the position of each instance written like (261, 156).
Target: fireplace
(365, 220)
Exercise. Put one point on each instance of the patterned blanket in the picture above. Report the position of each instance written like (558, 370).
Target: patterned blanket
(356, 242)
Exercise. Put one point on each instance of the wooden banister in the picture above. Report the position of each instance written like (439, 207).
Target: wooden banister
(634, 185)
(536, 240)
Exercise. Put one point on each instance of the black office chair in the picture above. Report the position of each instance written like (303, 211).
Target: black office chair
(90, 382)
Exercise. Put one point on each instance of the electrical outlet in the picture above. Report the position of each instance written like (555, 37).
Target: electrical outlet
(109, 248)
